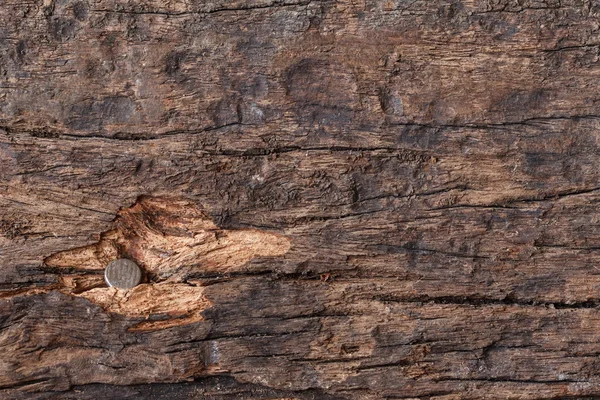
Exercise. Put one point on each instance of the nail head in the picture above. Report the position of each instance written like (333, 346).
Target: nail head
(122, 274)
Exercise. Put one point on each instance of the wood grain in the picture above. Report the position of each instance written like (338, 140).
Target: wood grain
(333, 199)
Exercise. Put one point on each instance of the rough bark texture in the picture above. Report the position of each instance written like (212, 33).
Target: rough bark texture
(329, 199)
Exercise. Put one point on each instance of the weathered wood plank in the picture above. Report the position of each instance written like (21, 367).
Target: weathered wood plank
(329, 199)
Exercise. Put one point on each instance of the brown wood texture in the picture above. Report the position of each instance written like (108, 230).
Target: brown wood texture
(329, 199)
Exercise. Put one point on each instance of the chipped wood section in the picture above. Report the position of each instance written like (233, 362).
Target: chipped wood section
(171, 240)
(329, 199)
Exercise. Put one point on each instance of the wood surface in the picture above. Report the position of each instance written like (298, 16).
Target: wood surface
(349, 199)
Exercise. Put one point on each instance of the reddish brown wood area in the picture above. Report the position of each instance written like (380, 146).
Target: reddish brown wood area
(329, 199)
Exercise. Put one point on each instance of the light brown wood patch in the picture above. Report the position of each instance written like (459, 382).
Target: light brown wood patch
(173, 241)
